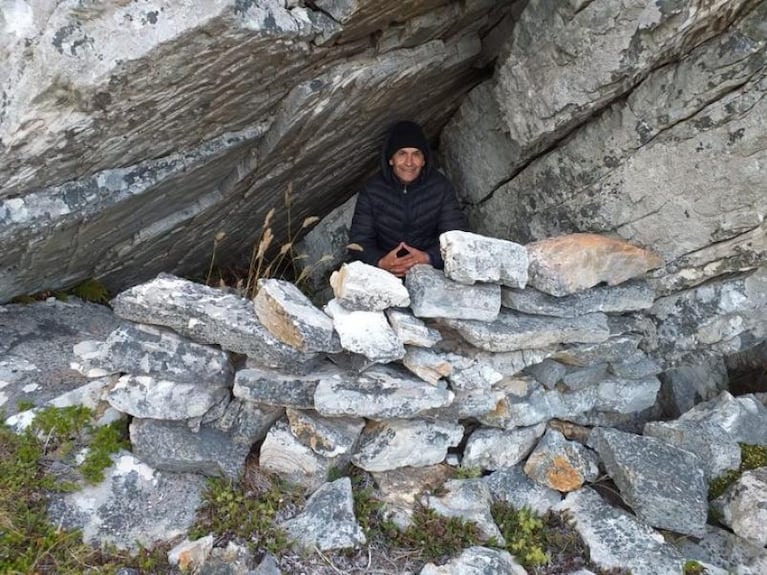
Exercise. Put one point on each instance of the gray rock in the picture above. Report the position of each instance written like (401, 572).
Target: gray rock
(427, 364)
(543, 95)
(719, 318)
(716, 451)
(631, 296)
(191, 555)
(366, 333)
(743, 418)
(513, 331)
(499, 449)
(323, 249)
(284, 455)
(149, 398)
(358, 286)
(583, 377)
(616, 539)
(468, 499)
(146, 350)
(663, 484)
(743, 506)
(616, 348)
(635, 368)
(173, 447)
(467, 404)
(477, 561)
(411, 330)
(206, 315)
(278, 388)
(327, 521)
(135, 506)
(548, 372)
(727, 551)
(561, 464)
(399, 443)
(400, 489)
(434, 295)
(471, 258)
(328, 436)
(381, 392)
(247, 422)
(518, 490)
(291, 318)
(36, 343)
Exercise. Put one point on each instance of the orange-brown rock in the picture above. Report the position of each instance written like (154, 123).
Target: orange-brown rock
(570, 263)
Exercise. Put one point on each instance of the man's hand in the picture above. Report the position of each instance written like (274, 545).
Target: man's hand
(399, 265)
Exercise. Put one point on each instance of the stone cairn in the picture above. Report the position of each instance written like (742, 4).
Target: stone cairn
(521, 361)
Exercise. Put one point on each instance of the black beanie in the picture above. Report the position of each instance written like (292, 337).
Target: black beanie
(406, 135)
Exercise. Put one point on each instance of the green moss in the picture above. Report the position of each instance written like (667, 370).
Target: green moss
(692, 567)
(91, 290)
(751, 457)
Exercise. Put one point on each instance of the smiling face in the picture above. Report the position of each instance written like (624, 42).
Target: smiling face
(407, 164)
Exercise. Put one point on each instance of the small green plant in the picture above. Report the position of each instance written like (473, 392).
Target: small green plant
(105, 441)
(92, 290)
(751, 457)
(433, 536)
(228, 511)
(692, 567)
(523, 531)
(467, 472)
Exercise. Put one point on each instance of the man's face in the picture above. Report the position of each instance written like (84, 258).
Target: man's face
(407, 164)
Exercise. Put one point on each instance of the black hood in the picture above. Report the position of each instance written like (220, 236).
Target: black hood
(386, 169)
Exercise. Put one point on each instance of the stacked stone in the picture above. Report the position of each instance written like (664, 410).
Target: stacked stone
(491, 355)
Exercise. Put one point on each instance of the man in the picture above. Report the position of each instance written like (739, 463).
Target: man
(402, 210)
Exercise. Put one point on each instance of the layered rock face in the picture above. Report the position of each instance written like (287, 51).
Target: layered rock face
(132, 133)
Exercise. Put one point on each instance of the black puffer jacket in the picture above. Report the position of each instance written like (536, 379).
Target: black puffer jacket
(389, 212)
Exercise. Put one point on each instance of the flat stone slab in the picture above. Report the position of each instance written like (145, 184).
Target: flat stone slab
(361, 287)
(434, 295)
(617, 540)
(328, 436)
(743, 418)
(135, 506)
(206, 315)
(499, 448)
(743, 506)
(247, 422)
(273, 387)
(293, 319)
(149, 398)
(141, 349)
(574, 262)
(399, 443)
(471, 258)
(664, 485)
(36, 343)
(631, 296)
(381, 392)
(411, 330)
(172, 447)
(727, 551)
(513, 331)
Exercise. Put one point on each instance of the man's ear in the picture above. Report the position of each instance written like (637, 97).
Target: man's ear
(391, 162)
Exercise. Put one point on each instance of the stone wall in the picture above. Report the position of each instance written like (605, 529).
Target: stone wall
(477, 367)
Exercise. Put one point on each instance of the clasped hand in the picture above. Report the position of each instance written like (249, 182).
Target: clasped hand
(399, 265)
